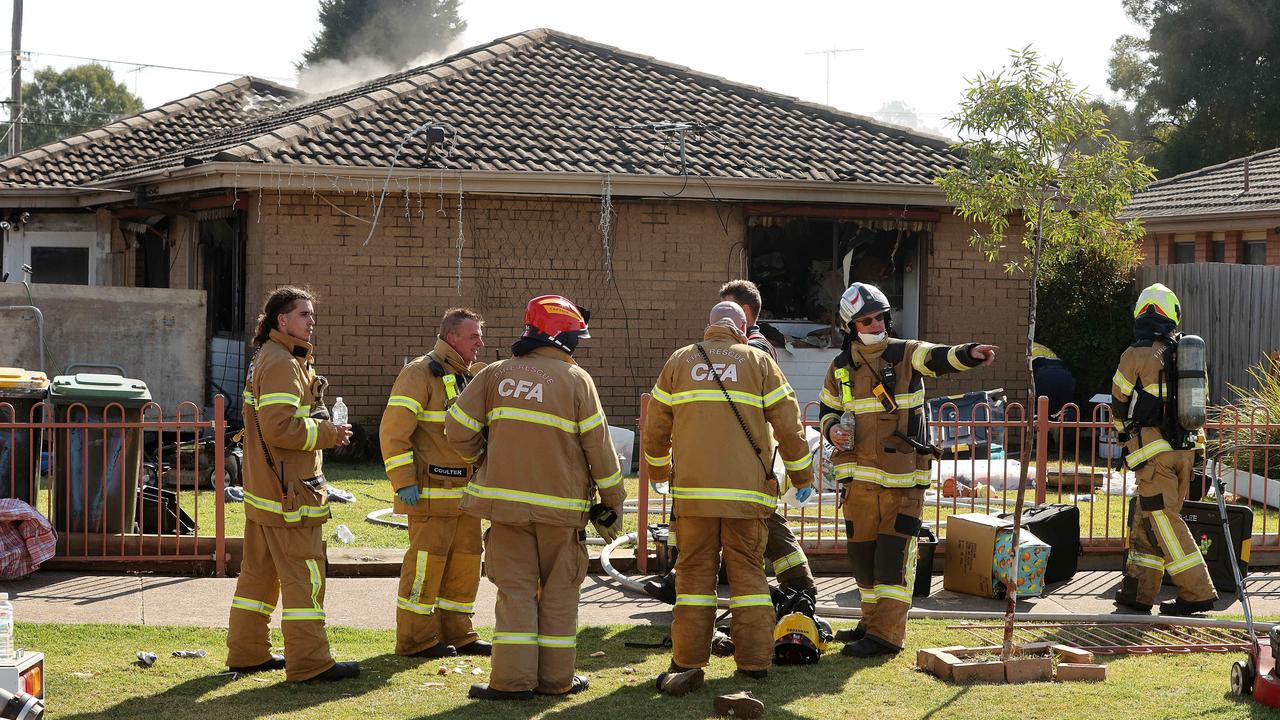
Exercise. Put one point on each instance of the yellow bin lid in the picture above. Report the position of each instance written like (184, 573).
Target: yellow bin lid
(22, 379)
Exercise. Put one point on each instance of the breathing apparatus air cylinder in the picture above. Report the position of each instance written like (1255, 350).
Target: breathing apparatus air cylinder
(1192, 369)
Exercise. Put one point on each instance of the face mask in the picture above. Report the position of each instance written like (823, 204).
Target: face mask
(872, 338)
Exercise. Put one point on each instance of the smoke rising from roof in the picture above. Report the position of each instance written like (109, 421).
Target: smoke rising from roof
(327, 76)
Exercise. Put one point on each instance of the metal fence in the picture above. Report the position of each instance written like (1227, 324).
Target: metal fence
(1073, 458)
(120, 483)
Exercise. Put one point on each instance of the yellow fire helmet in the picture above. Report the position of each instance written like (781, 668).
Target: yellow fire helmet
(797, 641)
(1160, 300)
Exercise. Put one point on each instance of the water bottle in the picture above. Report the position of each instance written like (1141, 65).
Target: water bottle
(339, 414)
(662, 488)
(847, 421)
(6, 628)
(344, 534)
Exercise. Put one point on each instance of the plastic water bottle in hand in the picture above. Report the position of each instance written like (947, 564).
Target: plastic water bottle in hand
(847, 421)
(662, 488)
(339, 414)
(6, 627)
(344, 534)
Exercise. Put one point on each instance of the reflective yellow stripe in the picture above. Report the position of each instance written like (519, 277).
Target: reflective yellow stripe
(1122, 382)
(737, 601)
(413, 607)
(313, 433)
(867, 595)
(953, 357)
(1185, 564)
(406, 402)
(457, 413)
(419, 576)
(660, 395)
(1155, 389)
(788, 561)
(302, 411)
(244, 603)
(608, 482)
(696, 600)
(396, 461)
(317, 585)
(864, 406)
(846, 390)
(658, 461)
(910, 400)
(867, 473)
(750, 496)
(591, 423)
(450, 386)
(1179, 560)
(301, 614)
(502, 638)
(279, 399)
(1155, 562)
(777, 395)
(800, 464)
(893, 592)
(433, 493)
(533, 416)
(829, 400)
(528, 498)
(272, 506)
(558, 641)
(918, 360)
(472, 460)
(692, 396)
(466, 608)
(248, 399)
(435, 416)
(1146, 452)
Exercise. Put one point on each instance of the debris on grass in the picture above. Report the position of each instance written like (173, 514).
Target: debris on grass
(598, 653)
(146, 658)
(189, 653)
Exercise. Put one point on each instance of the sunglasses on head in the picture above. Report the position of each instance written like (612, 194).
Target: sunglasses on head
(870, 320)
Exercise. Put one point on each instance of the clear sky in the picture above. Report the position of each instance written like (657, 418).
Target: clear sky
(916, 51)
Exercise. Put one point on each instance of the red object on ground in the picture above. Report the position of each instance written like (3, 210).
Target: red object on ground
(26, 539)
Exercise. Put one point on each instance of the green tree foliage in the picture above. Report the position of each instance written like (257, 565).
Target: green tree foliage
(393, 31)
(57, 104)
(1203, 86)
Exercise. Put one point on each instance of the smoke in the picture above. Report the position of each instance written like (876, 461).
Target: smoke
(327, 76)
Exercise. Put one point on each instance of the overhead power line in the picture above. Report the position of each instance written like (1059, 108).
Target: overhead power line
(151, 65)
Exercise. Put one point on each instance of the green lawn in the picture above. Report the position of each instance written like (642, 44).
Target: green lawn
(91, 674)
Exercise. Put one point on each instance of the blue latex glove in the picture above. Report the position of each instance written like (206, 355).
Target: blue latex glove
(803, 494)
(408, 495)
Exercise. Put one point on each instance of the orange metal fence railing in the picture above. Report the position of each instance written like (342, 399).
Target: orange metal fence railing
(118, 483)
(1072, 459)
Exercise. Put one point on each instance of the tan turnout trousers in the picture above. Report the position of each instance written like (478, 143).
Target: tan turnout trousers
(882, 525)
(285, 563)
(438, 583)
(538, 570)
(702, 542)
(1158, 537)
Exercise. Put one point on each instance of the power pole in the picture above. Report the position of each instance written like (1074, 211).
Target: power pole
(15, 97)
(829, 53)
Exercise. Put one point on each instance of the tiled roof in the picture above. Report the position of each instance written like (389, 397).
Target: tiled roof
(546, 101)
(89, 156)
(1214, 190)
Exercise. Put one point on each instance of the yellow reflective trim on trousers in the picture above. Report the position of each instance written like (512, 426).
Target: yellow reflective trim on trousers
(279, 399)
(658, 461)
(395, 461)
(272, 506)
(1185, 564)
(515, 638)
(692, 396)
(899, 593)
(1148, 451)
(778, 395)
(413, 607)
(867, 595)
(953, 357)
(788, 561)
(919, 358)
(696, 600)
(528, 498)
(591, 423)
(660, 395)
(406, 402)
(1179, 560)
(466, 608)
(244, 603)
(419, 576)
(1122, 382)
(737, 601)
(457, 413)
(558, 641)
(866, 473)
(828, 399)
(301, 614)
(313, 433)
(1155, 562)
(800, 464)
(608, 482)
(533, 416)
(751, 496)
(317, 584)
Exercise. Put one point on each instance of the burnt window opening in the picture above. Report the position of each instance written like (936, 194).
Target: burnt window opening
(222, 261)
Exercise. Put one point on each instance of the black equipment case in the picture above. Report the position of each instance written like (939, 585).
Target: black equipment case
(1059, 526)
(1205, 525)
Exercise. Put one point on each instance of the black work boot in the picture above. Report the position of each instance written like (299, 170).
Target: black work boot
(662, 588)
(340, 671)
(477, 647)
(678, 681)
(482, 691)
(1178, 606)
(870, 646)
(439, 650)
(753, 674)
(851, 634)
(275, 663)
(579, 684)
(1127, 601)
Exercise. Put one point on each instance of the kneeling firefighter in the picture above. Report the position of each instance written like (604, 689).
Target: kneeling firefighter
(1158, 402)
(876, 384)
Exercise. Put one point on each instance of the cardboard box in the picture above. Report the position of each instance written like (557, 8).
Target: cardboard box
(971, 546)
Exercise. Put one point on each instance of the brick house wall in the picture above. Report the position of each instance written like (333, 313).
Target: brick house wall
(380, 305)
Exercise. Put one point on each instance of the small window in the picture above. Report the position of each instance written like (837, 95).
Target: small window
(61, 265)
(1255, 252)
(1218, 251)
(1184, 253)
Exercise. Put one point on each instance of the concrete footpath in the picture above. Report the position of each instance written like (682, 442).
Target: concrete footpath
(66, 597)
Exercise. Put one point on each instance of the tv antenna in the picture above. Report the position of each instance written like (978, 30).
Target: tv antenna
(829, 53)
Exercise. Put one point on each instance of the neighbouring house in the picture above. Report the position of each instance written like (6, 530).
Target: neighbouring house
(1227, 213)
(537, 163)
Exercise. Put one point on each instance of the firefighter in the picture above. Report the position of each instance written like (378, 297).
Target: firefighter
(879, 382)
(712, 405)
(285, 500)
(441, 569)
(1161, 454)
(534, 427)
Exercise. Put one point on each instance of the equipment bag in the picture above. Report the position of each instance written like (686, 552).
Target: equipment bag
(1059, 526)
(158, 513)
